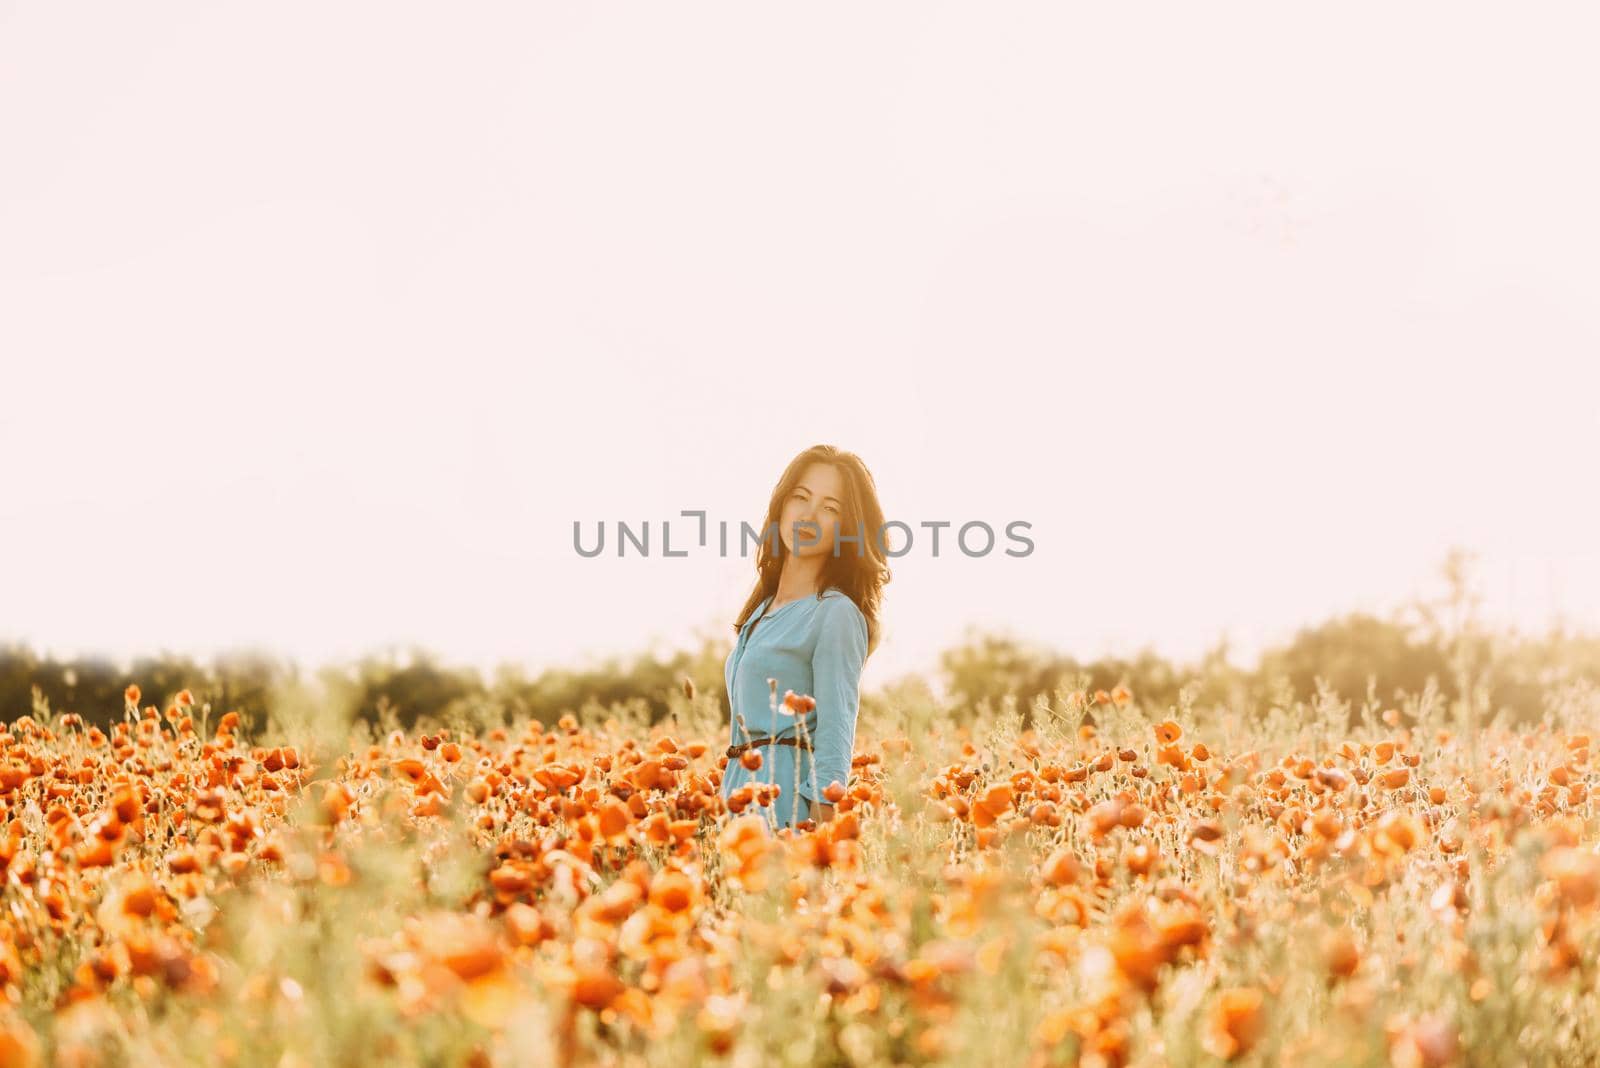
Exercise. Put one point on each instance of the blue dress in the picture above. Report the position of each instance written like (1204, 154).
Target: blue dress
(814, 647)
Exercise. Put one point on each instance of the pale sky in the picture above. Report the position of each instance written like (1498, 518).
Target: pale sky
(320, 324)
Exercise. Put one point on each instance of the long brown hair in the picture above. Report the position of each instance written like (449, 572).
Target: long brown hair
(860, 571)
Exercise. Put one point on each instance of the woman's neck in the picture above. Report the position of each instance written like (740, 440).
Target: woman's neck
(799, 578)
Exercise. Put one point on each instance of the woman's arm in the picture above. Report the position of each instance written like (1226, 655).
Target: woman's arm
(840, 654)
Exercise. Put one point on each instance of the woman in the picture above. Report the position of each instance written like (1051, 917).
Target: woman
(808, 627)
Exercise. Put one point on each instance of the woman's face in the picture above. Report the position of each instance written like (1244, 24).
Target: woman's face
(815, 505)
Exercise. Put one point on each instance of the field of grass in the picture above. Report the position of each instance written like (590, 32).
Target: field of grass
(1096, 883)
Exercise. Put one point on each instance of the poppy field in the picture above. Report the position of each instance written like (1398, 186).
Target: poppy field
(1094, 883)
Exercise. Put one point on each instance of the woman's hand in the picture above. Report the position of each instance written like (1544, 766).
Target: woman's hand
(822, 811)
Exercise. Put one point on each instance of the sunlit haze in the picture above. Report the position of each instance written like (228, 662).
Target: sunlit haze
(321, 325)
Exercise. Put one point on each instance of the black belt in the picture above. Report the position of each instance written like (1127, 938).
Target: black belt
(735, 750)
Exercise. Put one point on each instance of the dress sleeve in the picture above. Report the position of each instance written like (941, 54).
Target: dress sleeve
(841, 651)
